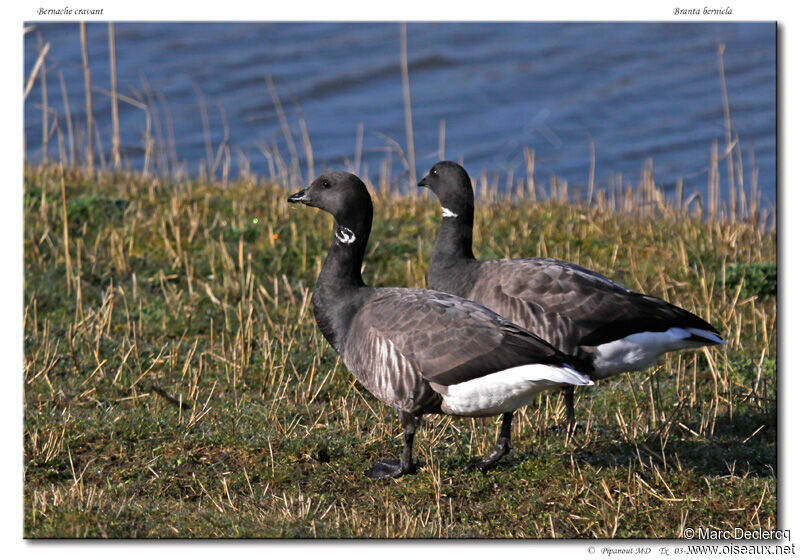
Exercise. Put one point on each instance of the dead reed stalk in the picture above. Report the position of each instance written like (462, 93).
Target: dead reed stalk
(407, 101)
(45, 110)
(64, 217)
(287, 132)
(591, 172)
(87, 77)
(35, 72)
(728, 137)
(442, 130)
(68, 118)
(112, 53)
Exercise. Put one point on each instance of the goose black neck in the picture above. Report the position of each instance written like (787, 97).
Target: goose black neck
(340, 290)
(453, 266)
(342, 269)
(454, 242)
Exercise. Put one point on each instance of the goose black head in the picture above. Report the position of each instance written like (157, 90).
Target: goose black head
(452, 186)
(341, 194)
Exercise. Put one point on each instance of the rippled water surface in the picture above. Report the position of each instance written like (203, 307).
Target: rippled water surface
(636, 90)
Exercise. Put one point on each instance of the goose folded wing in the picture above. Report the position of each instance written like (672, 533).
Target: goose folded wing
(451, 340)
(597, 309)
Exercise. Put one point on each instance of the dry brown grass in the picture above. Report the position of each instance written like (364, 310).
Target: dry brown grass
(176, 384)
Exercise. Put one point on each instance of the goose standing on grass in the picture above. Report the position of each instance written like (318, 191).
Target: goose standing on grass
(579, 311)
(421, 351)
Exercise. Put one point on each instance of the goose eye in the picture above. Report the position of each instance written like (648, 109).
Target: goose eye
(433, 172)
(325, 184)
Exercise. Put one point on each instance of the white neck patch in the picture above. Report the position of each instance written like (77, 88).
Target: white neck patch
(447, 213)
(345, 235)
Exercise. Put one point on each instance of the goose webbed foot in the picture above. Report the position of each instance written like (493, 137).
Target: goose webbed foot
(394, 468)
(389, 468)
(502, 448)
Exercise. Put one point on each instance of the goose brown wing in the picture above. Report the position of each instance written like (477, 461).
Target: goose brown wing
(444, 338)
(573, 306)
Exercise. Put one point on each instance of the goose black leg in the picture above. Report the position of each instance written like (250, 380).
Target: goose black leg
(393, 468)
(502, 447)
(569, 402)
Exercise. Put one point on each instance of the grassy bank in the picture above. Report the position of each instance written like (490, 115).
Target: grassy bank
(176, 385)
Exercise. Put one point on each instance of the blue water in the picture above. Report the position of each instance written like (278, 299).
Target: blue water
(637, 90)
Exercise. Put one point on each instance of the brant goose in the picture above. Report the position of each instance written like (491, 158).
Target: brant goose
(579, 311)
(421, 351)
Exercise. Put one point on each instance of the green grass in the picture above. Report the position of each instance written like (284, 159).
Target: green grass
(759, 279)
(177, 386)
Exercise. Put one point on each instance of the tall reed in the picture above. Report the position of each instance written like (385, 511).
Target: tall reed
(407, 106)
(87, 77)
(112, 50)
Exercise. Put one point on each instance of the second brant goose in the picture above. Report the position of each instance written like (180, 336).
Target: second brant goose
(579, 311)
(421, 351)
